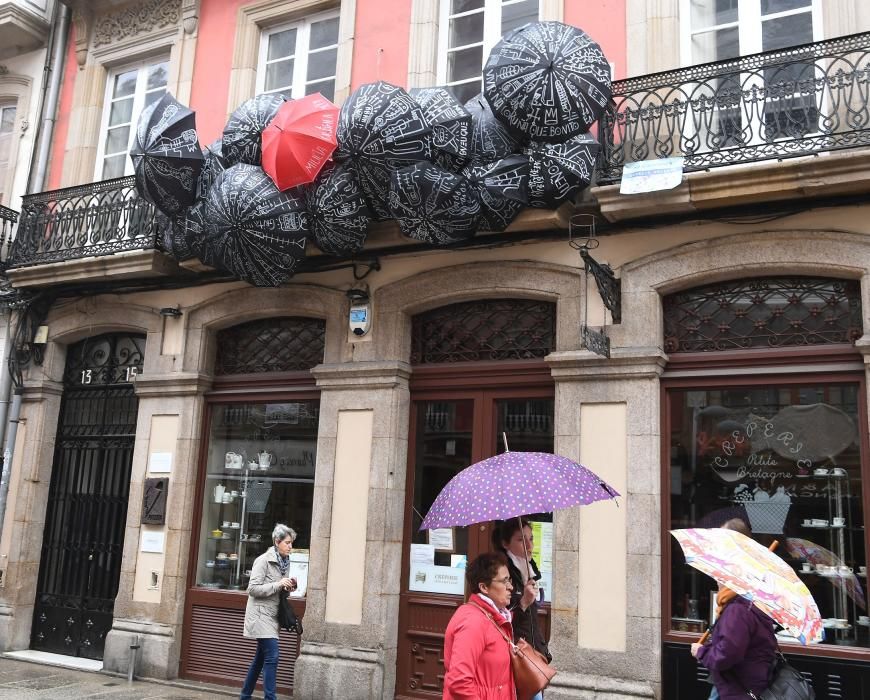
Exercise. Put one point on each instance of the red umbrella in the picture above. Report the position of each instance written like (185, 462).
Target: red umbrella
(299, 140)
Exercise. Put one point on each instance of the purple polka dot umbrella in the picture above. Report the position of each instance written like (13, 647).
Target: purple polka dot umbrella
(513, 484)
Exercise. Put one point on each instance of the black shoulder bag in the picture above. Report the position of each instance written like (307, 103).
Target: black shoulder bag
(286, 617)
(787, 683)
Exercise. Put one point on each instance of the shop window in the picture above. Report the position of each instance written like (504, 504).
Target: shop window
(503, 329)
(784, 457)
(259, 471)
(763, 313)
(299, 59)
(128, 92)
(468, 31)
(270, 345)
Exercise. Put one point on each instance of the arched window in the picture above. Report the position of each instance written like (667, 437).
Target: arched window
(287, 344)
(770, 312)
(486, 329)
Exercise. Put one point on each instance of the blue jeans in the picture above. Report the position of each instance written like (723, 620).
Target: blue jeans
(714, 694)
(265, 660)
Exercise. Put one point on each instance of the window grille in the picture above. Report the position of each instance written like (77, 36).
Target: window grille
(270, 345)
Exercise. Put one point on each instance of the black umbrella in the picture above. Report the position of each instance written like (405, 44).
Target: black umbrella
(337, 210)
(560, 170)
(241, 138)
(433, 205)
(381, 128)
(254, 230)
(188, 233)
(548, 80)
(503, 189)
(490, 139)
(166, 155)
(212, 166)
(451, 126)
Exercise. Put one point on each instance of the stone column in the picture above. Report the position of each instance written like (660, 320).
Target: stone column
(28, 498)
(605, 636)
(169, 420)
(349, 647)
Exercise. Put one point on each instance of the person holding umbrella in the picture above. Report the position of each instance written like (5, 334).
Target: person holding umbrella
(477, 648)
(508, 539)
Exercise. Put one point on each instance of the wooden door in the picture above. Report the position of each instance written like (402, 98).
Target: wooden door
(451, 429)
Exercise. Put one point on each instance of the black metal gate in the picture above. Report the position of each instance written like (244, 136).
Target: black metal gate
(87, 503)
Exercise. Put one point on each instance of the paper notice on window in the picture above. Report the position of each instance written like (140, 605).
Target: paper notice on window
(458, 561)
(651, 175)
(298, 569)
(422, 554)
(437, 579)
(442, 539)
(542, 550)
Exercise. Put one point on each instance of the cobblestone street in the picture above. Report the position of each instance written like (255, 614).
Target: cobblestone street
(22, 680)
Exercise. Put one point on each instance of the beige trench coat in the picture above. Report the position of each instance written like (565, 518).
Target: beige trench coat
(261, 612)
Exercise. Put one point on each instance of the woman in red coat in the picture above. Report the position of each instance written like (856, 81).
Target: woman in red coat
(476, 647)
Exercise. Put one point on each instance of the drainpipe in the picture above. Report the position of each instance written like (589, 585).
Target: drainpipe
(52, 77)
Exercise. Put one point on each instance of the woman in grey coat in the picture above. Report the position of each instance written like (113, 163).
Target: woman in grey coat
(268, 581)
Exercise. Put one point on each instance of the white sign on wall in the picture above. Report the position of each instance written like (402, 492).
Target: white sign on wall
(153, 541)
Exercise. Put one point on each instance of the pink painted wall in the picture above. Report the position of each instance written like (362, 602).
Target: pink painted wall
(604, 21)
(380, 52)
(64, 108)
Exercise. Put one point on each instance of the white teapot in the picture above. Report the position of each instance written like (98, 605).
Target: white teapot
(219, 491)
(265, 459)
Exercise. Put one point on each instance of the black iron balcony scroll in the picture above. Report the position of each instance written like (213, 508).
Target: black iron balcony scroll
(8, 218)
(99, 218)
(798, 101)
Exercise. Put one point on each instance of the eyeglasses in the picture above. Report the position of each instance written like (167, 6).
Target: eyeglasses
(506, 581)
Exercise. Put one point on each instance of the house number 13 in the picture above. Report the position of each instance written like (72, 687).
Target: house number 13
(86, 376)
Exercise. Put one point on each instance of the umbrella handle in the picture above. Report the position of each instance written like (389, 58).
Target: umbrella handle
(504, 439)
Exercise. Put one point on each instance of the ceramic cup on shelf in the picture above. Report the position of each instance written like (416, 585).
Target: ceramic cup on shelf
(844, 570)
(820, 472)
(839, 522)
(838, 471)
(221, 555)
(806, 567)
(864, 619)
(233, 557)
(862, 570)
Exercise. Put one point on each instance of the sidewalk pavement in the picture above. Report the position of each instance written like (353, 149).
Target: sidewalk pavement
(22, 680)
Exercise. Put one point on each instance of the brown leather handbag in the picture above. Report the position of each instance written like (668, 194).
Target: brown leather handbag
(531, 671)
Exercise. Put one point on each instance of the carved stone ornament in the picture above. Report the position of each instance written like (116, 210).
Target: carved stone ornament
(138, 19)
(189, 15)
(81, 20)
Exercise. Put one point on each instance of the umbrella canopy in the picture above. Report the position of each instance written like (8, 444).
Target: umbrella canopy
(241, 137)
(756, 573)
(166, 155)
(380, 129)
(513, 484)
(254, 230)
(503, 189)
(490, 139)
(433, 205)
(299, 140)
(213, 164)
(451, 126)
(558, 171)
(337, 210)
(547, 80)
(819, 556)
(172, 239)
(188, 235)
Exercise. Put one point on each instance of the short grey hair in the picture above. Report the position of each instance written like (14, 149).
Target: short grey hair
(281, 532)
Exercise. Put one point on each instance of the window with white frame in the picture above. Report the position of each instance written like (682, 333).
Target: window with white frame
(468, 29)
(299, 59)
(7, 127)
(128, 92)
(718, 30)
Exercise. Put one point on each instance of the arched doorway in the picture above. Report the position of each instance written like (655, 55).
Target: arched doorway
(86, 516)
(478, 372)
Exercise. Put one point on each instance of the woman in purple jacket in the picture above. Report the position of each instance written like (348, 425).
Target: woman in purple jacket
(742, 648)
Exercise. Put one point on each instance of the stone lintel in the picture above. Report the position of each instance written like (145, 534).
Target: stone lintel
(175, 384)
(132, 264)
(143, 627)
(362, 375)
(840, 173)
(862, 345)
(585, 365)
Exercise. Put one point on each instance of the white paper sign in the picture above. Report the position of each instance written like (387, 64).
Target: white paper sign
(423, 554)
(437, 579)
(160, 462)
(153, 541)
(298, 569)
(651, 175)
(442, 539)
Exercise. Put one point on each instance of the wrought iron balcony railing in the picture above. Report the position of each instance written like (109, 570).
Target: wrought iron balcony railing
(798, 101)
(99, 218)
(8, 218)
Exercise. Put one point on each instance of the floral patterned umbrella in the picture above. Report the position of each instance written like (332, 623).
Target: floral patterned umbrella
(753, 571)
